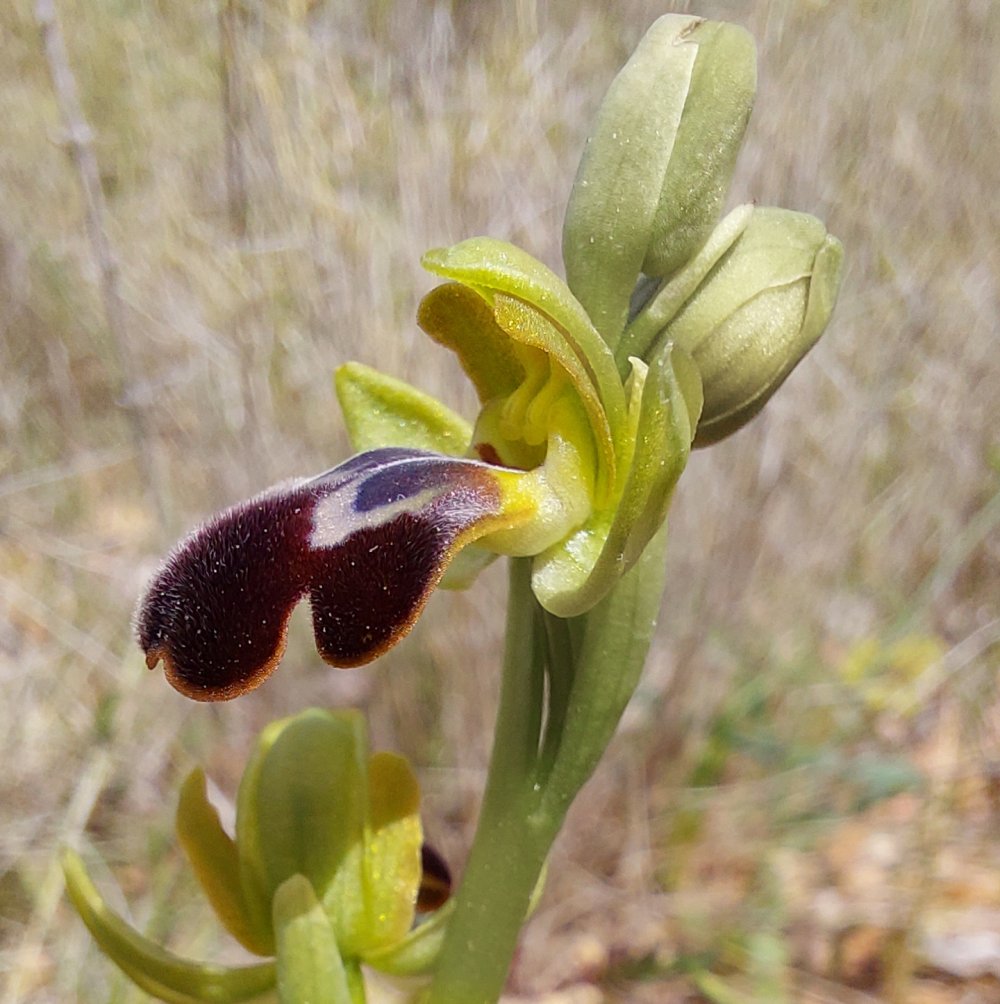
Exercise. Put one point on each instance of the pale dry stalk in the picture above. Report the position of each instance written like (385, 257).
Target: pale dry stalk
(79, 139)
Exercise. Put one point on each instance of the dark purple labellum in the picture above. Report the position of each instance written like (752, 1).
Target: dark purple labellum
(367, 541)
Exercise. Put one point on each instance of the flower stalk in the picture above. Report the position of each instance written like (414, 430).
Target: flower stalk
(537, 770)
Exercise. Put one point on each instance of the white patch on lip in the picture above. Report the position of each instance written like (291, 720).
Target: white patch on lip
(335, 518)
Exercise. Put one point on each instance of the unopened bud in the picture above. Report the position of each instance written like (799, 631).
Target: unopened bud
(723, 84)
(762, 308)
(658, 162)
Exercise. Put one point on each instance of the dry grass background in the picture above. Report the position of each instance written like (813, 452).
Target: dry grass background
(802, 803)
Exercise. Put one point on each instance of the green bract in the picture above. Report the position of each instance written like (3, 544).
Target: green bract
(323, 872)
(658, 162)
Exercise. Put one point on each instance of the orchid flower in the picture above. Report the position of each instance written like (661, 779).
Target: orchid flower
(326, 872)
(566, 462)
(673, 329)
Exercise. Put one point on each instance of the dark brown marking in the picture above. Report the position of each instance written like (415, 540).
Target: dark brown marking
(488, 454)
(216, 614)
(435, 881)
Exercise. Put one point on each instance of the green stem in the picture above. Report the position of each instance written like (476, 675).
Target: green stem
(561, 666)
(522, 690)
(355, 982)
(511, 842)
(593, 664)
(610, 644)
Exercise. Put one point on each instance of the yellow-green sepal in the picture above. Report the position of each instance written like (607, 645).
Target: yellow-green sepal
(313, 803)
(311, 811)
(716, 112)
(158, 972)
(380, 410)
(257, 889)
(466, 566)
(492, 266)
(823, 288)
(215, 860)
(309, 964)
(756, 314)
(460, 319)
(392, 863)
(416, 953)
(658, 163)
(667, 298)
(671, 405)
(776, 249)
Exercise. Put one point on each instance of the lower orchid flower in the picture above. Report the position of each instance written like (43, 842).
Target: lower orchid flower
(326, 872)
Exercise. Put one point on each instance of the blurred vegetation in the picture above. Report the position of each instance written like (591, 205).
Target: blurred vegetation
(803, 801)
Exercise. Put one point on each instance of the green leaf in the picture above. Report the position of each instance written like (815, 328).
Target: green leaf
(310, 969)
(382, 411)
(214, 858)
(157, 971)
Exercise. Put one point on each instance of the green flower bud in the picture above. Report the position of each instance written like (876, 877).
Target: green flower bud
(314, 803)
(658, 162)
(757, 314)
(326, 872)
